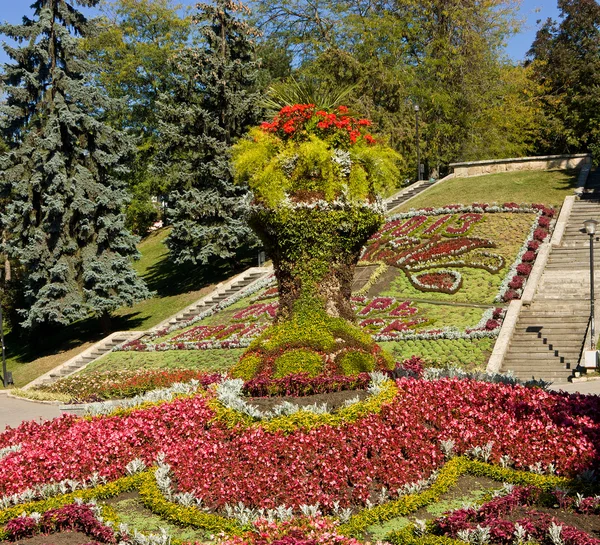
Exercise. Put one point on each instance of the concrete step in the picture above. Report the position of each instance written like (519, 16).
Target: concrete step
(552, 295)
(536, 345)
(542, 316)
(555, 329)
(533, 346)
(550, 315)
(524, 368)
(546, 356)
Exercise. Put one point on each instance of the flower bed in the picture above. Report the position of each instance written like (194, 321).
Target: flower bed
(260, 468)
(122, 384)
(388, 319)
(426, 239)
(497, 520)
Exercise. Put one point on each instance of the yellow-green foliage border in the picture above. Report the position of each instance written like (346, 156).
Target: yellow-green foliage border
(154, 500)
(304, 420)
(150, 496)
(447, 478)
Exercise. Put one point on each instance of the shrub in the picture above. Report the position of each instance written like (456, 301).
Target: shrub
(528, 257)
(352, 363)
(247, 367)
(296, 361)
(517, 282)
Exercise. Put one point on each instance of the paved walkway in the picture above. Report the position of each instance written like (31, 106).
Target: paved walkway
(589, 387)
(14, 411)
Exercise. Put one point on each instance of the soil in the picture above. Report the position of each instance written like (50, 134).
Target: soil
(60, 538)
(121, 497)
(334, 400)
(362, 275)
(384, 282)
(587, 523)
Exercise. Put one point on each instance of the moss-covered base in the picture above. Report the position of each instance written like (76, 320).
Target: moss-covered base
(315, 343)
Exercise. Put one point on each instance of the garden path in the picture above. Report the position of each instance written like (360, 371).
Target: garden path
(14, 411)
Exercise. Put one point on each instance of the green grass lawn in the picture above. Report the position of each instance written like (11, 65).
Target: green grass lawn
(548, 187)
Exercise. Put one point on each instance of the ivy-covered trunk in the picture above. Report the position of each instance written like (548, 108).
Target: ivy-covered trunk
(315, 252)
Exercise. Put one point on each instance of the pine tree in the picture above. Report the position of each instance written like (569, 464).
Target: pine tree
(62, 175)
(213, 103)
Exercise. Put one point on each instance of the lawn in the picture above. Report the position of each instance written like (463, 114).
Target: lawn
(547, 186)
(206, 360)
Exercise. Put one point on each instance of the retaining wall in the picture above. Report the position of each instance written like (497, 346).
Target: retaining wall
(547, 162)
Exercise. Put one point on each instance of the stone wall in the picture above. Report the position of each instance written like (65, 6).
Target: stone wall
(547, 162)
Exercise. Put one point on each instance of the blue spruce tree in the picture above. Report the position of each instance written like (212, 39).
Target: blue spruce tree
(62, 175)
(213, 102)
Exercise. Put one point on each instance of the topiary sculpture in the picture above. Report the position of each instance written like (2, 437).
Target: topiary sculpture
(316, 177)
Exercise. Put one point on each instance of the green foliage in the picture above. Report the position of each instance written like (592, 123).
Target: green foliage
(306, 421)
(447, 58)
(465, 353)
(313, 162)
(247, 367)
(565, 63)
(306, 90)
(104, 491)
(63, 176)
(447, 478)
(208, 360)
(40, 395)
(306, 339)
(153, 499)
(297, 361)
(408, 536)
(212, 102)
(132, 48)
(352, 363)
(131, 512)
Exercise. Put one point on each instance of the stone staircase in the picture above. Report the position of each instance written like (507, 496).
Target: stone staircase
(407, 193)
(549, 336)
(86, 357)
(222, 292)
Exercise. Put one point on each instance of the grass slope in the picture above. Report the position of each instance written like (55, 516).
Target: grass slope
(546, 186)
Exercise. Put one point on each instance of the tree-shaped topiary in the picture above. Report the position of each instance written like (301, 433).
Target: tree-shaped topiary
(316, 177)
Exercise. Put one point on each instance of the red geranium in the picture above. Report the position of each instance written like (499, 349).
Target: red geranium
(300, 120)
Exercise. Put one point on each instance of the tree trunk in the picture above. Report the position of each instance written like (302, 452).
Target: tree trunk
(105, 323)
(315, 252)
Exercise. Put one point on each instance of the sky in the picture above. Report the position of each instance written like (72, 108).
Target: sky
(531, 11)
